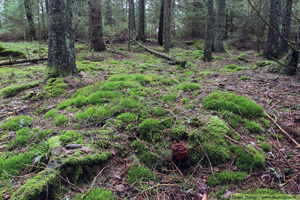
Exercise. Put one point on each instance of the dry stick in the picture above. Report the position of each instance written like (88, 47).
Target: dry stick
(178, 170)
(290, 137)
(93, 182)
(211, 168)
(287, 162)
(289, 180)
(236, 142)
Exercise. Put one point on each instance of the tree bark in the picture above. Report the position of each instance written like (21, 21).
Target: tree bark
(208, 32)
(279, 21)
(141, 31)
(131, 16)
(29, 16)
(161, 24)
(167, 26)
(61, 53)
(219, 26)
(97, 42)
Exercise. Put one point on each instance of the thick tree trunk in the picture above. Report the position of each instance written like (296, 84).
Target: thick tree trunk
(29, 16)
(97, 42)
(61, 54)
(161, 24)
(208, 32)
(279, 21)
(167, 26)
(141, 31)
(219, 26)
(131, 16)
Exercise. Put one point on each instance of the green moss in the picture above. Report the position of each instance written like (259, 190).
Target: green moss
(245, 78)
(55, 87)
(264, 193)
(69, 136)
(213, 141)
(139, 174)
(252, 126)
(141, 78)
(127, 117)
(14, 165)
(233, 119)
(242, 56)
(229, 101)
(149, 158)
(35, 187)
(45, 133)
(193, 138)
(97, 194)
(265, 146)
(17, 123)
(178, 133)
(80, 101)
(61, 120)
(65, 104)
(189, 106)
(15, 89)
(170, 97)
(265, 122)
(264, 63)
(87, 160)
(225, 177)
(158, 111)
(22, 136)
(184, 100)
(205, 73)
(169, 81)
(93, 114)
(278, 136)
(188, 86)
(149, 129)
(50, 113)
(97, 97)
(120, 85)
(245, 161)
(13, 53)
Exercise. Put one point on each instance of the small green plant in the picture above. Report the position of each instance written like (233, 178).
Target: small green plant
(225, 177)
(50, 113)
(265, 146)
(139, 174)
(245, 78)
(61, 120)
(97, 194)
(252, 126)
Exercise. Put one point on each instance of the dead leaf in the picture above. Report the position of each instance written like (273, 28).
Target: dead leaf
(120, 188)
(86, 149)
(227, 194)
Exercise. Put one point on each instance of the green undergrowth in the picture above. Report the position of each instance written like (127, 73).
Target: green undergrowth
(140, 174)
(226, 177)
(16, 123)
(10, 52)
(15, 89)
(55, 87)
(264, 193)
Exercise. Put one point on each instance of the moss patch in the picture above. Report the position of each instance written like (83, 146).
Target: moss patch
(139, 173)
(97, 194)
(15, 89)
(225, 177)
(17, 123)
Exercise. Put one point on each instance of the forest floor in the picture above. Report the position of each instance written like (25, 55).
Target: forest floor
(111, 133)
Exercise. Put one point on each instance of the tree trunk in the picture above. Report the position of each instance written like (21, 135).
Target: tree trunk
(278, 20)
(141, 31)
(43, 20)
(97, 42)
(208, 32)
(219, 26)
(61, 54)
(131, 16)
(167, 26)
(29, 16)
(161, 24)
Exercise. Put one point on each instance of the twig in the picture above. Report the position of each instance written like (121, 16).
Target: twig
(212, 170)
(286, 161)
(93, 182)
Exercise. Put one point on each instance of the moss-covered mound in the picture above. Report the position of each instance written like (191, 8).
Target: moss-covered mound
(15, 89)
(55, 87)
(16, 123)
(15, 53)
(229, 101)
(225, 177)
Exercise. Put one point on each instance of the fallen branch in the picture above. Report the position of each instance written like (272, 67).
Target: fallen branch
(180, 62)
(11, 62)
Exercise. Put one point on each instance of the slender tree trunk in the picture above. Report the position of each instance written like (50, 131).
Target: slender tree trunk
(167, 26)
(208, 32)
(131, 15)
(108, 15)
(278, 20)
(161, 24)
(47, 6)
(43, 19)
(29, 16)
(97, 42)
(61, 54)
(219, 26)
(141, 31)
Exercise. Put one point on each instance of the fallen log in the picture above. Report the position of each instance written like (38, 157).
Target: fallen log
(180, 62)
(11, 62)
